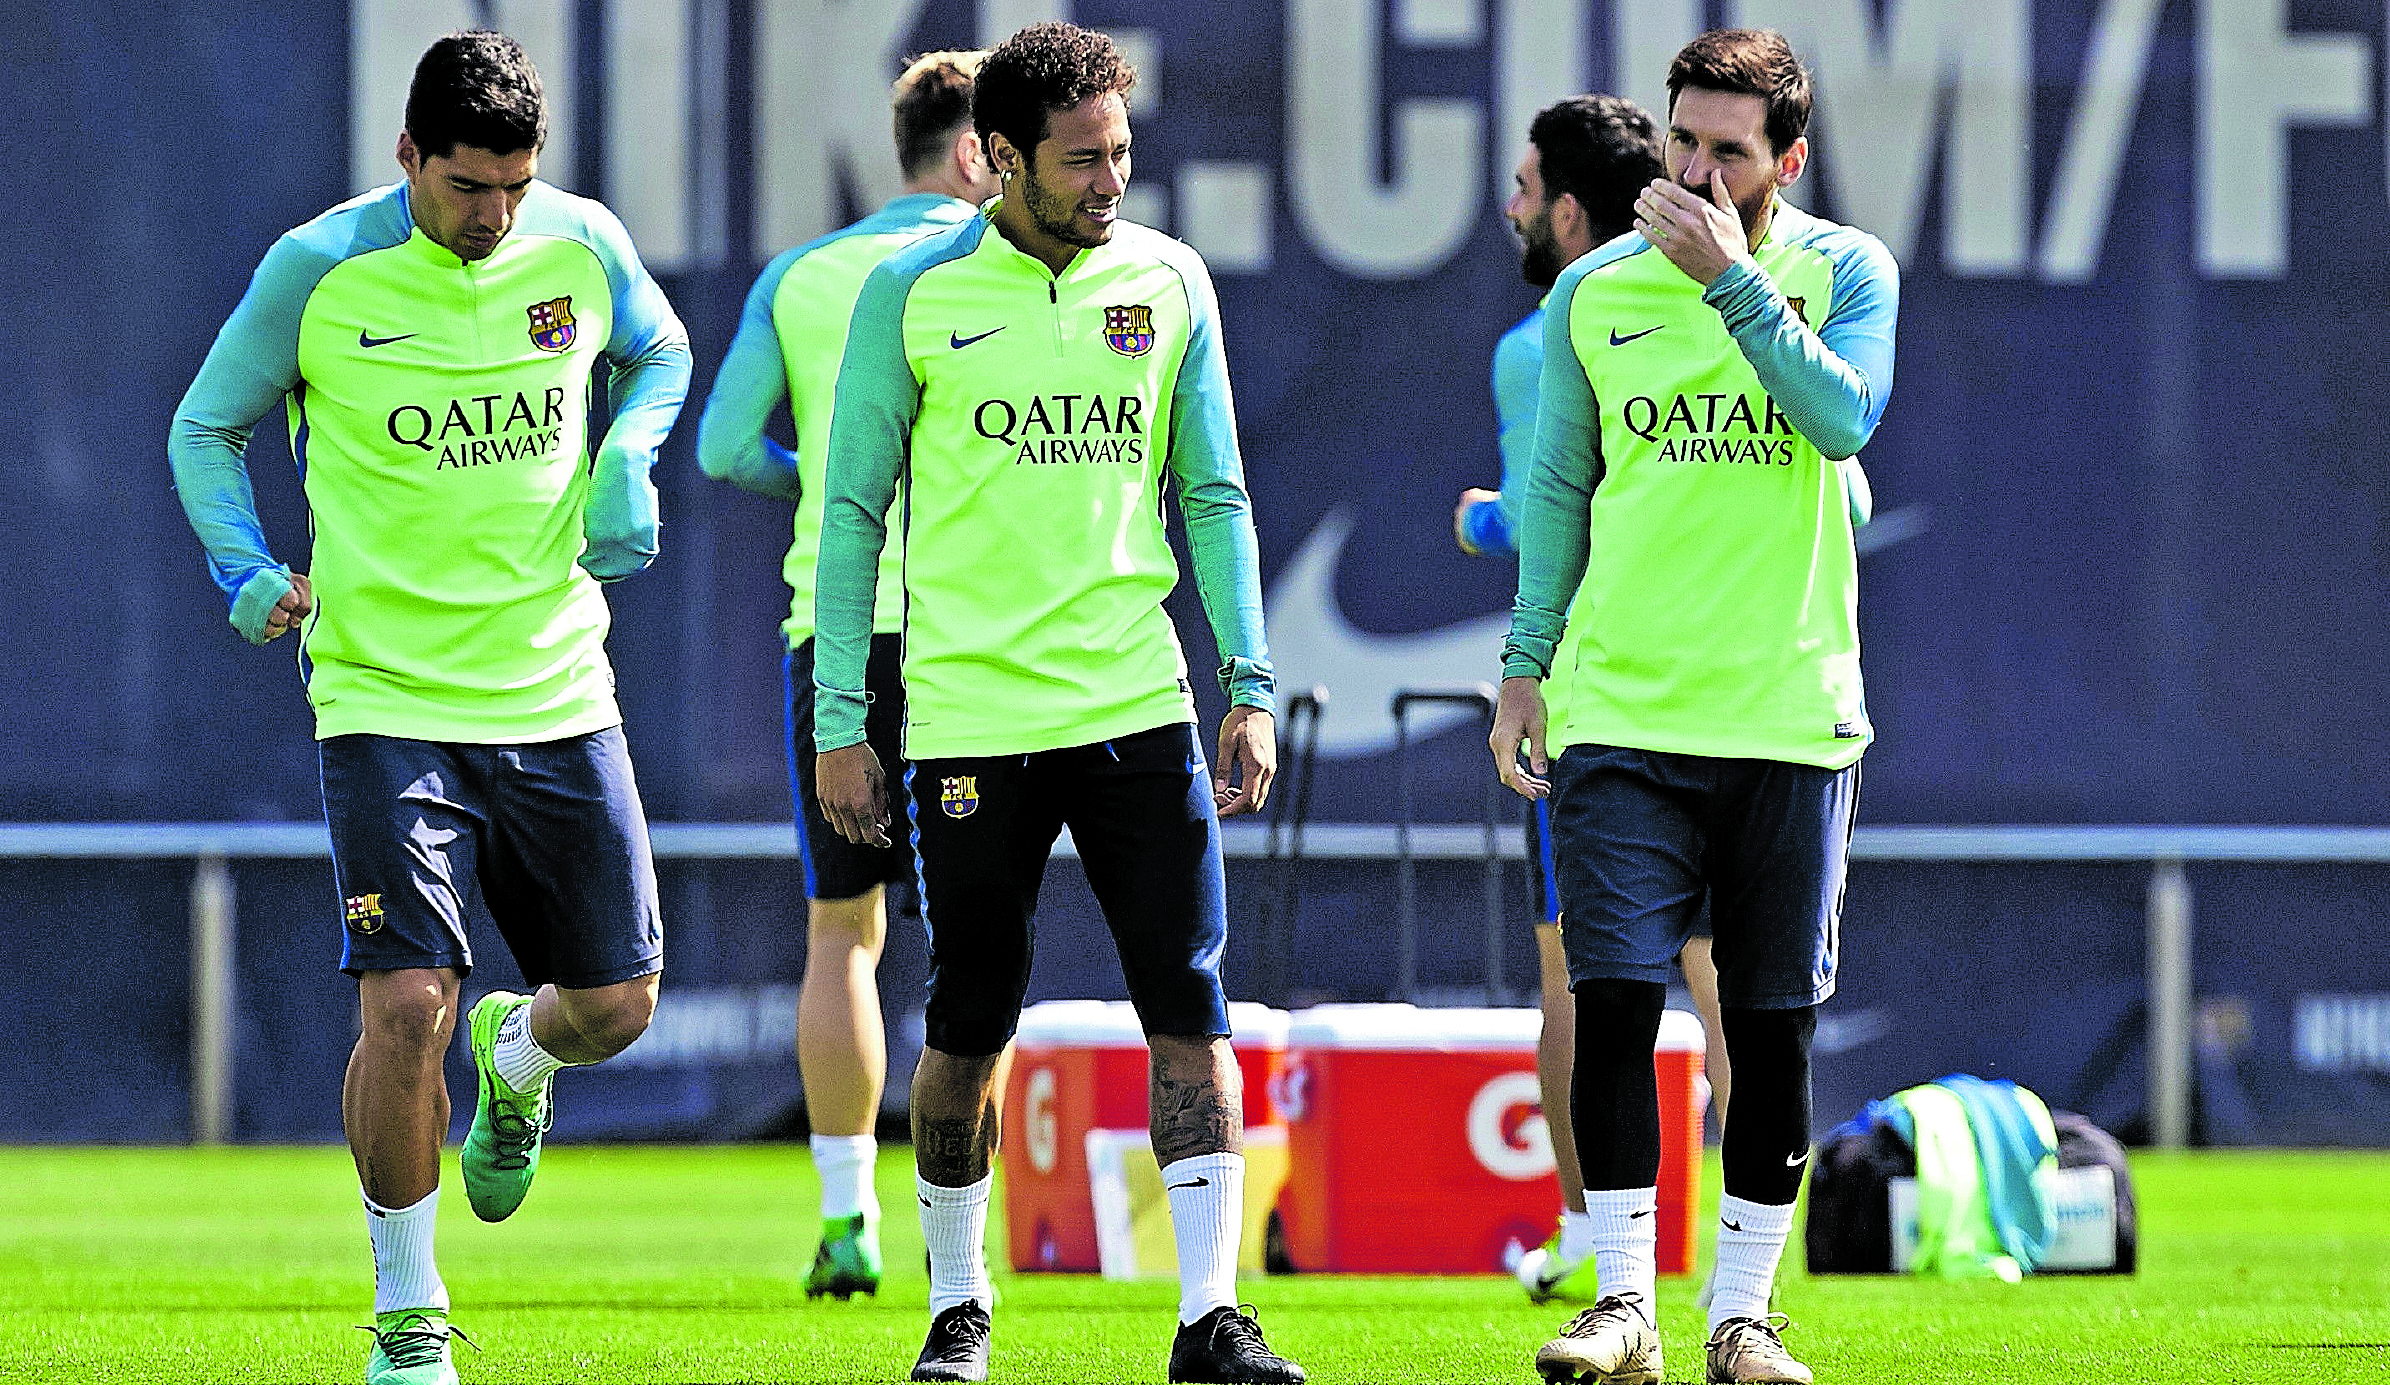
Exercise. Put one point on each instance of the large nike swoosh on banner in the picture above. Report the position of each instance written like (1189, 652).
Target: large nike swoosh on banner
(1312, 643)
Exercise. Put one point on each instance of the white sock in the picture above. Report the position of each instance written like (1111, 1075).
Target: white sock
(1750, 1241)
(404, 1275)
(1207, 1219)
(845, 1165)
(955, 1223)
(1626, 1242)
(518, 1057)
(1576, 1235)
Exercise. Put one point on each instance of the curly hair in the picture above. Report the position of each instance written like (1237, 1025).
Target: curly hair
(476, 87)
(1042, 69)
(1602, 150)
(1748, 62)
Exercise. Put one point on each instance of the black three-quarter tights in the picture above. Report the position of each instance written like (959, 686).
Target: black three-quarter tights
(1766, 1148)
(1614, 1099)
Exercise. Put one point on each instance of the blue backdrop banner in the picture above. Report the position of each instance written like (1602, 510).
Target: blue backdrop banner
(2127, 567)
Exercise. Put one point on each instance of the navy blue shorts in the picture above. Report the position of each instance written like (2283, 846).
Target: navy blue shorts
(1139, 808)
(1643, 836)
(545, 842)
(1546, 871)
(836, 868)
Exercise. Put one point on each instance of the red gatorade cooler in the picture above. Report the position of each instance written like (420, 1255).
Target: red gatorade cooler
(1417, 1142)
(1080, 1066)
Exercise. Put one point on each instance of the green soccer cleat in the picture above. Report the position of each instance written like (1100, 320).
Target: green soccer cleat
(502, 1149)
(1547, 1275)
(848, 1261)
(410, 1347)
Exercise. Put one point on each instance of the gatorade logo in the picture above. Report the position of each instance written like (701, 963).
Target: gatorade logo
(1507, 1132)
(1290, 1092)
(1037, 1108)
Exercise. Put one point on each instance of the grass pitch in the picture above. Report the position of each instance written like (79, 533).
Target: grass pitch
(679, 1266)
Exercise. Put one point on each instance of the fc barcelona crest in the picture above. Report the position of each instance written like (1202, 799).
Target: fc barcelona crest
(959, 795)
(1129, 330)
(552, 324)
(364, 913)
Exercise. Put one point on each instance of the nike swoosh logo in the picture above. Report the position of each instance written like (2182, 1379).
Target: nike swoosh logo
(1644, 1213)
(1313, 643)
(1794, 1161)
(1198, 1183)
(1731, 1226)
(959, 341)
(369, 342)
(1617, 340)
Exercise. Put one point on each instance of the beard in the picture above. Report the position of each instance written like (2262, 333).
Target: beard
(1750, 209)
(1057, 214)
(1539, 252)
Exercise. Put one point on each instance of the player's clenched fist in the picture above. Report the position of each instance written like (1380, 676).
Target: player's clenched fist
(292, 609)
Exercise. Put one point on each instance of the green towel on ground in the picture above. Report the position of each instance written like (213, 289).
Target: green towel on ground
(1981, 1213)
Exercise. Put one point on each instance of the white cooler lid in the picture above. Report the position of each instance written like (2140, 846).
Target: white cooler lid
(1257, 1025)
(1082, 1023)
(1113, 1024)
(1437, 1030)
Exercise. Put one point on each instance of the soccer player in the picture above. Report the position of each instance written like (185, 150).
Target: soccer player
(790, 337)
(1688, 582)
(1588, 158)
(1034, 376)
(434, 342)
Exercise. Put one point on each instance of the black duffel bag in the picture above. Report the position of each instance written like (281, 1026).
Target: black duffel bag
(1850, 1205)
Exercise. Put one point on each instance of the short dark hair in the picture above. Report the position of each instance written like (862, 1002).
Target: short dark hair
(476, 87)
(1748, 62)
(1602, 150)
(1042, 69)
(932, 101)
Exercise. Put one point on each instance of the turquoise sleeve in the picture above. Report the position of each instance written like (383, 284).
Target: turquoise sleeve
(1832, 383)
(253, 365)
(871, 432)
(1555, 520)
(1518, 378)
(649, 352)
(1210, 472)
(749, 388)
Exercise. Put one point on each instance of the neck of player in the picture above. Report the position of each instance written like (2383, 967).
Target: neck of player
(1015, 224)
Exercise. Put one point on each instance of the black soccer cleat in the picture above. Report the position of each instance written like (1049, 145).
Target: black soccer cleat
(1224, 1347)
(957, 1348)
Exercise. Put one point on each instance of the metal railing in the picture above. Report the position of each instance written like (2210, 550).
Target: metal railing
(212, 847)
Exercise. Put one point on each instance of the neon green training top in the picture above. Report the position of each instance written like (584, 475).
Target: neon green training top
(439, 414)
(1033, 419)
(791, 335)
(1694, 492)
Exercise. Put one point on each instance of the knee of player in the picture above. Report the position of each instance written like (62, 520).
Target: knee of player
(846, 924)
(613, 1019)
(415, 1018)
